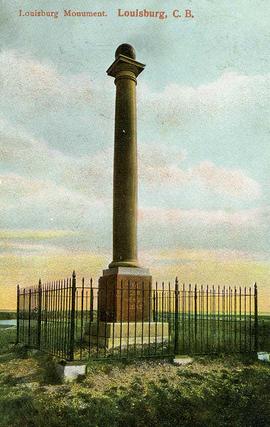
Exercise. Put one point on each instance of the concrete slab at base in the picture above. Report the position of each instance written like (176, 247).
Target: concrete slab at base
(264, 356)
(70, 371)
(124, 329)
(182, 360)
(116, 334)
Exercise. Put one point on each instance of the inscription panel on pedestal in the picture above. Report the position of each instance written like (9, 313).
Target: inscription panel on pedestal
(125, 298)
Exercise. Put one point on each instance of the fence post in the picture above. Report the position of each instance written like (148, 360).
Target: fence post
(18, 314)
(29, 316)
(256, 317)
(154, 307)
(176, 318)
(91, 300)
(195, 316)
(39, 314)
(72, 317)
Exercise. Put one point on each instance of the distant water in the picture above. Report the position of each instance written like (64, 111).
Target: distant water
(8, 322)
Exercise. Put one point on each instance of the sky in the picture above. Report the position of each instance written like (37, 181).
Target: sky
(203, 141)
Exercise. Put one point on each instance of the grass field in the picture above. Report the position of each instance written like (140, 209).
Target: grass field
(213, 391)
(4, 315)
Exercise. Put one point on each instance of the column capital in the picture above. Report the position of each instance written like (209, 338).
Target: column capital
(125, 63)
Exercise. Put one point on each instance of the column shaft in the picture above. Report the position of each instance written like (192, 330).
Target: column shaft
(125, 172)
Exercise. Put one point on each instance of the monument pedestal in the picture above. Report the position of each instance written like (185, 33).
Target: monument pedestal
(125, 295)
(125, 311)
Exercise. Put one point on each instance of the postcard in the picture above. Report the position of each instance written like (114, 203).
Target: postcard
(134, 185)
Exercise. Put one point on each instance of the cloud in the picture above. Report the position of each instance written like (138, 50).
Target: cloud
(43, 204)
(33, 234)
(159, 165)
(34, 158)
(177, 105)
(30, 249)
(39, 84)
(231, 182)
(92, 175)
(234, 229)
(181, 255)
(25, 77)
(19, 148)
(167, 169)
(248, 218)
(50, 189)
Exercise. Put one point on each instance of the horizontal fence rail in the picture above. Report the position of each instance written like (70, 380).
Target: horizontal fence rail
(78, 321)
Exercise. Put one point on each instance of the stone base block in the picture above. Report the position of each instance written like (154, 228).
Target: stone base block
(70, 371)
(125, 295)
(117, 334)
(182, 360)
(263, 356)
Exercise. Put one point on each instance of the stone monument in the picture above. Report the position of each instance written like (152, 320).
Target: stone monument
(125, 296)
(114, 302)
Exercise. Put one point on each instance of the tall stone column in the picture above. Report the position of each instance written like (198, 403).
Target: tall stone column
(125, 70)
(125, 288)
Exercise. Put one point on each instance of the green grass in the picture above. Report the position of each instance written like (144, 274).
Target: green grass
(264, 333)
(7, 339)
(212, 392)
(4, 315)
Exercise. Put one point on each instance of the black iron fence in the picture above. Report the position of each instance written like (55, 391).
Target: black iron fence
(81, 321)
